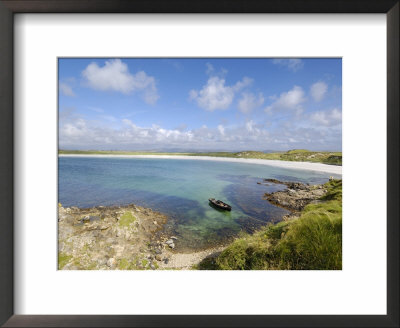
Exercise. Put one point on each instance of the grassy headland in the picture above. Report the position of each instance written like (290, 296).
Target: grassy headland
(299, 155)
(311, 242)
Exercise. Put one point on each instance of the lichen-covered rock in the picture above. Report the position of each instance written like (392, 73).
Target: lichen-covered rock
(296, 196)
(104, 238)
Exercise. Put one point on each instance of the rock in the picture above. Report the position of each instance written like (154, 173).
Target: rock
(296, 197)
(169, 242)
(152, 266)
(172, 245)
(158, 257)
(158, 251)
(111, 262)
(101, 262)
(86, 219)
(155, 222)
(166, 260)
(173, 237)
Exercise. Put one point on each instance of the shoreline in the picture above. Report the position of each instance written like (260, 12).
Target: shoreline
(132, 237)
(126, 237)
(308, 166)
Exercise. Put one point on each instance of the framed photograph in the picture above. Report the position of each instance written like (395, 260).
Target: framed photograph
(218, 164)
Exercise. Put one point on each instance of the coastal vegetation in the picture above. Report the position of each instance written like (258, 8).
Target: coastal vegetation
(313, 241)
(132, 237)
(299, 155)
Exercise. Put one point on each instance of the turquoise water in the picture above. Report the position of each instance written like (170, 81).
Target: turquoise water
(181, 189)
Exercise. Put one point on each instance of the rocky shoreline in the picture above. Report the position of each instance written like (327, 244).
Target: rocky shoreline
(295, 197)
(132, 237)
(119, 238)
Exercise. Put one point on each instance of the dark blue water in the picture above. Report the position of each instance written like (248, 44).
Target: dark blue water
(180, 189)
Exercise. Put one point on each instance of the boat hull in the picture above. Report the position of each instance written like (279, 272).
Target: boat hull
(220, 205)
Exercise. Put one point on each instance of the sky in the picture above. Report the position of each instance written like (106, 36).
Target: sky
(200, 104)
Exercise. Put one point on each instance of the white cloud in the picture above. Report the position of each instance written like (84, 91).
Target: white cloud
(115, 76)
(327, 118)
(245, 82)
(75, 129)
(290, 100)
(318, 90)
(66, 89)
(317, 132)
(250, 126)
(249, 101)
(76, 132)
(216, 95)
(210, 68)
(293, 64)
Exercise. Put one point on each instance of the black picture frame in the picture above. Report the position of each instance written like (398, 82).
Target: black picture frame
(10, 7)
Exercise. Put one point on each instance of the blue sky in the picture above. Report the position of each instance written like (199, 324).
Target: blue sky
(200, 104)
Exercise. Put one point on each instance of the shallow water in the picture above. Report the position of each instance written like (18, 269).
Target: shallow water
(181, 189)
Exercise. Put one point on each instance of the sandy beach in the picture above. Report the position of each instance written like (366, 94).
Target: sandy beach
(318, 167)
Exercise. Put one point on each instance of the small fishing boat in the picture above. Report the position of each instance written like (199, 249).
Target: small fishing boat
(220, 204)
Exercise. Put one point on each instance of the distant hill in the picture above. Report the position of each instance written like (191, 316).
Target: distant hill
(297, 155)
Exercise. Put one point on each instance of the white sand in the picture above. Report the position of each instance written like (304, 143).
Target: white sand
(185, 261)
(318, 167)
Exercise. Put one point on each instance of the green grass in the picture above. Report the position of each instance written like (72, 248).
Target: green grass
(127, 219)
(300, 155)
(312, 242)
(297, 151)
(63, 259)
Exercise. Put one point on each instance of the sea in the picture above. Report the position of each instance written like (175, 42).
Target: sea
(180, 188)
